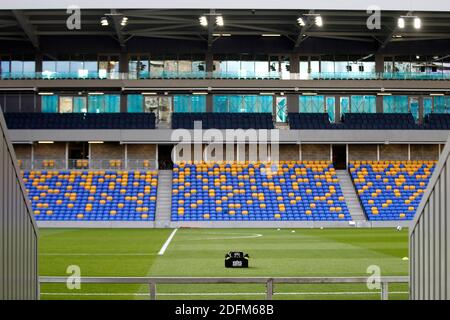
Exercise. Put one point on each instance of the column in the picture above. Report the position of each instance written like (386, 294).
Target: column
(379, 104)
(293, 105)
(209, 61)
(209, 102)
(379, 63)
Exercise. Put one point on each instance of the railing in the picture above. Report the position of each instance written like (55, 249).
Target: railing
(226, 75)
(86, 164)
(152, 282)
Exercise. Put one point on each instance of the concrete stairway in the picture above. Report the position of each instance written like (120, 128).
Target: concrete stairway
(164, 199)
(351, 198)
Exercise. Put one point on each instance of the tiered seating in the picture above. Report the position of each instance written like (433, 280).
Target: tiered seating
(391, 190)
(257, 192)
(80, 120)
(437, 121)
(92, 195)
(354, 121)
(379, 121)
(223, 120)
(305, 121)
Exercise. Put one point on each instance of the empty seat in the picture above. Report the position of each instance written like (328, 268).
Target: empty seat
(391, 190)
(92, 195)
(223, 120)
(257, 191)
(90, 121)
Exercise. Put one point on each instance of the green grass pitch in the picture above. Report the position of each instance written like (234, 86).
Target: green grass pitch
(200, 252)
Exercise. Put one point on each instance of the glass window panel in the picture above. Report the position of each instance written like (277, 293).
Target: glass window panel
(363, 104)
(247, 69)
(63, 66)
(5, 66)
(156, 68)
(112, 103)
(75, 66)
(65, 105)
(345, 105)
(327, 66)
(91, 66)
(184, 66)
(135, 102)
(29, 66)
(220, 104)
(395, 104)
(79, 104)
(189, 103)
(50, 104)
(414, 107)
(281, 109)
(16, 66)
(331, 105)
(96, 103)
(427, 106)
(312, 104)
(441, 105)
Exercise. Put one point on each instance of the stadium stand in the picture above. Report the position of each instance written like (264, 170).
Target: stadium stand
(437, 121)
(391, 190)
(356, 121)
(92, 195)
(305, 121)
(257, 192)
(80, 120)
(223, 120)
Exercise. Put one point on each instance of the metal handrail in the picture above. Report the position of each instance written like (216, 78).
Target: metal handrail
(268, 281)
(238, 75)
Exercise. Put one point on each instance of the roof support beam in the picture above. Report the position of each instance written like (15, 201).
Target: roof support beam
(211, 23)
(302, 36)
(388, 39)
(24, 23)
(117, 27)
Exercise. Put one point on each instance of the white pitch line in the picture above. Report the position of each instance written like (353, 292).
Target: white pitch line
(219, 293)
(166, 244)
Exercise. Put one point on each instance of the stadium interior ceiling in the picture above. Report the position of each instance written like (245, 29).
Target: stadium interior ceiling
(249, 31)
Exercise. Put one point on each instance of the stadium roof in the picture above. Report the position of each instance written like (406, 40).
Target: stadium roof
(31, 25)
(417, 5)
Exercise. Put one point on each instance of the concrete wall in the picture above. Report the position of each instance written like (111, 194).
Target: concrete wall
(23, 151)
(362, 152)
(107, 151)
(141, 151)
(424, 152)
(55, 150)
(394, 152)
(315, 152)
(18, 231)
(288, 152)
(429, 237)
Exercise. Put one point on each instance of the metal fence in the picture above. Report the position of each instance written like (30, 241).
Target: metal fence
(270, 283)
(429, 237)
(85, 164)
(18, 230)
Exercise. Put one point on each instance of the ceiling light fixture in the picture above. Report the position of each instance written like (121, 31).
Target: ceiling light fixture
(203, 21)
(417, 23)
(319, 21)
(104, 22)
(301, 22)
(219, 21)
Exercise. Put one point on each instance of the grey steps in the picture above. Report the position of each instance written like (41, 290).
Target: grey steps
(164, 199)
(350, 195)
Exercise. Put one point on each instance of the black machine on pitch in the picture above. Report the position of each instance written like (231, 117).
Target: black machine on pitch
(236, 260)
